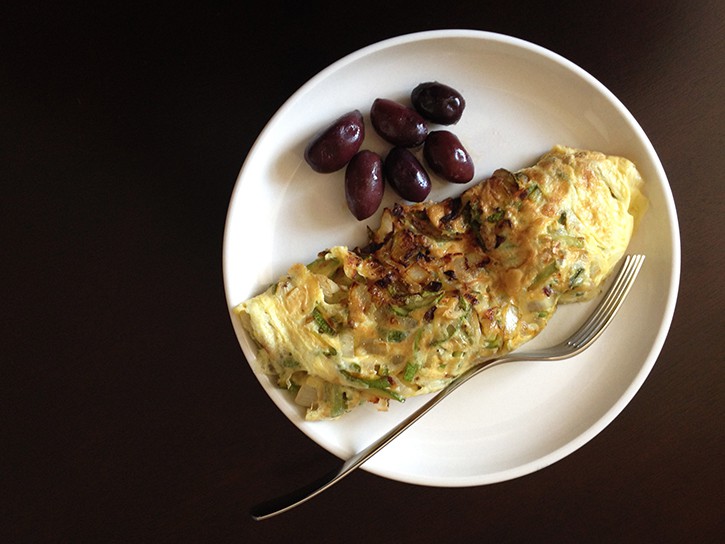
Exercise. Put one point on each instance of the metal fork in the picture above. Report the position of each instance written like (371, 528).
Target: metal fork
(578, 342)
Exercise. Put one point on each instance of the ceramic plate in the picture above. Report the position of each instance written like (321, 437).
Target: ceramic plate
(521, 100)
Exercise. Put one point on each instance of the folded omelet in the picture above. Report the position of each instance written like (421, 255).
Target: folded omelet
(442, 286)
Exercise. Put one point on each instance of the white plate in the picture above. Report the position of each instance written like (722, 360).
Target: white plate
(521, 100)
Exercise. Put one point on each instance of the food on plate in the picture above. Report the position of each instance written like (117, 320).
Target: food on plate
(333, 147)
(364, 184)
(398, 124)
(438, 102)
(404, 127)
(445, 155)
(406, 175)
(442, 286)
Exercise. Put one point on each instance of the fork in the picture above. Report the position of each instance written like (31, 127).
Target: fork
(578, 342)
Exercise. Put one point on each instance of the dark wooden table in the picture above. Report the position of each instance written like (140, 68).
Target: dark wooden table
(129, 413)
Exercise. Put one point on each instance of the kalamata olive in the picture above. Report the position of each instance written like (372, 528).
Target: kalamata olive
(364, 184)
(333, 147)
(397, 123)
(406, 175)
(446, 156)
(438, 103)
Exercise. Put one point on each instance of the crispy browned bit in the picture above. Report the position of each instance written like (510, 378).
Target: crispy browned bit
(454, 205)
(434, 286)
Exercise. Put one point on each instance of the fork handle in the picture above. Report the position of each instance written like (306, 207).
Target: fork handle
(281, 504)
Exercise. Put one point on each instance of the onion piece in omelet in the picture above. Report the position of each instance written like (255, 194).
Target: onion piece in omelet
(442, 286)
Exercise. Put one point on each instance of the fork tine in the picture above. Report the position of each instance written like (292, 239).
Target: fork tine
(609, 306)
(611, 297)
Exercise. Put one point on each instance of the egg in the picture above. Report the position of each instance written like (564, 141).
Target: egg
(442, 286)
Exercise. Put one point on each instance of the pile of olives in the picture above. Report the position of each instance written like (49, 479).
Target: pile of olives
(405, 128)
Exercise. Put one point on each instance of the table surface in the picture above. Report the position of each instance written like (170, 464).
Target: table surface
(129, 412)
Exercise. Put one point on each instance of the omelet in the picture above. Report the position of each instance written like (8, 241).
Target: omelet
(442, 286)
